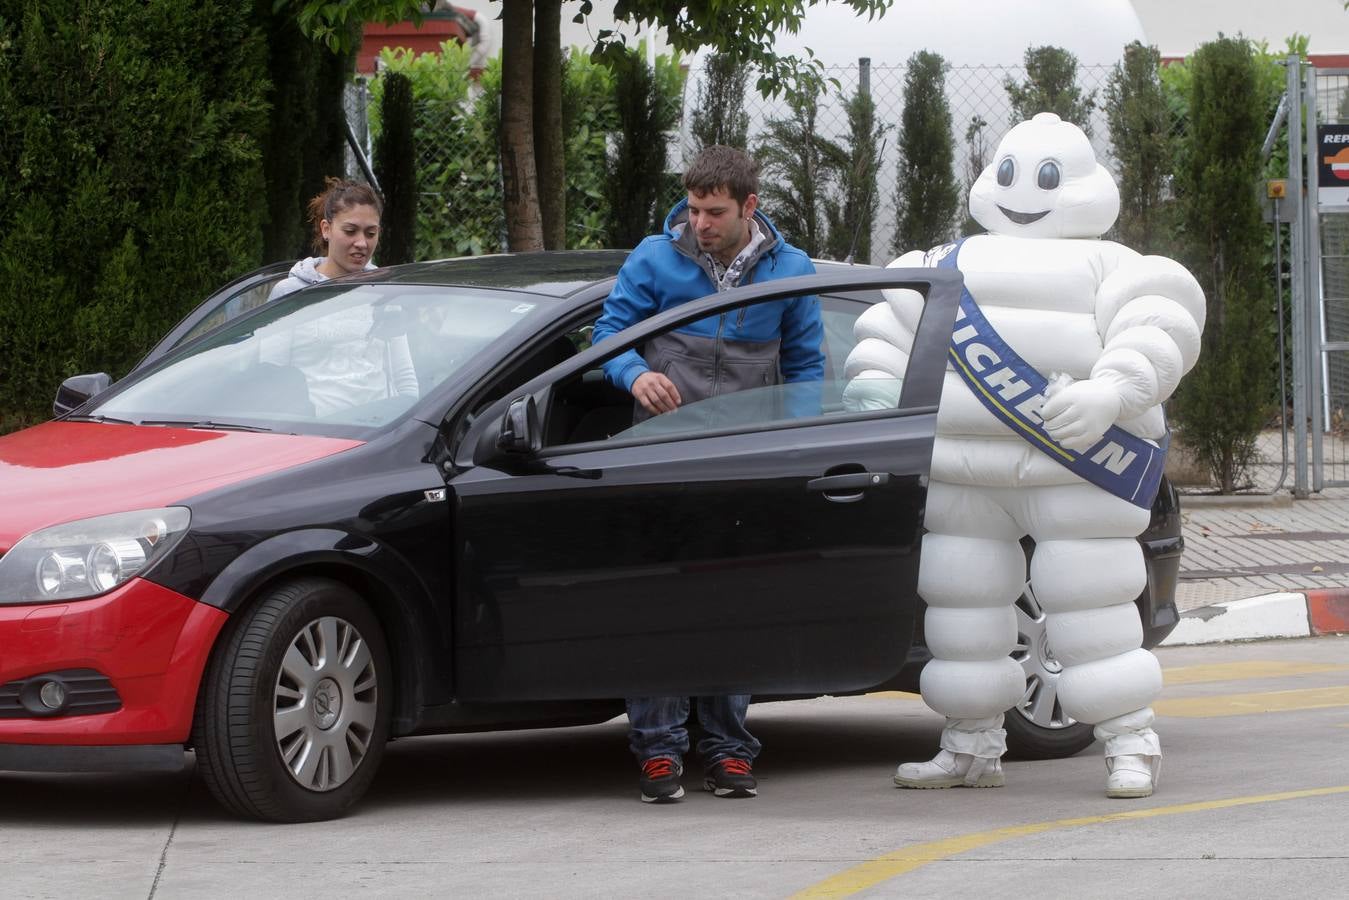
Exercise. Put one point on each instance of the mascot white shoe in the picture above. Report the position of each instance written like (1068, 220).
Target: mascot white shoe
(1050, 425)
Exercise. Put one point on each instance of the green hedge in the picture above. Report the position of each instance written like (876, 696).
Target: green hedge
(455, 132)
(133, 179)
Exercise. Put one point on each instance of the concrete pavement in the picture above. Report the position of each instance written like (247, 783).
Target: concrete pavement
(1263, 565)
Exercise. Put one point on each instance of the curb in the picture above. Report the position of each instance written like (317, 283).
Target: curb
(1282, 615)
(1235, 501)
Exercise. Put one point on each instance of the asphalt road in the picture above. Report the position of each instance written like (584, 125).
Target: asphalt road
(1252, 803)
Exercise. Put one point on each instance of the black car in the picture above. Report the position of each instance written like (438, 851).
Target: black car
(281, 555)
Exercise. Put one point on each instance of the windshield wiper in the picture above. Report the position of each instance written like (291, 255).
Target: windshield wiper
(100, 420)
(204, 423)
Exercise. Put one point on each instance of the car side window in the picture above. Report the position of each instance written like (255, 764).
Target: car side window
(727, 380)
(234, 306)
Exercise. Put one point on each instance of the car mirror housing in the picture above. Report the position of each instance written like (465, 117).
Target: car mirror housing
(520, 428)
(518, 436)
(76, 390)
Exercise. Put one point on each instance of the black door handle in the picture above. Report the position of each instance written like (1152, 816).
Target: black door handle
(849, 487)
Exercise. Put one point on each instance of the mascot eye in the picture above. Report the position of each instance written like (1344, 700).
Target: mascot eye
(1006, 172)
(1048, 177)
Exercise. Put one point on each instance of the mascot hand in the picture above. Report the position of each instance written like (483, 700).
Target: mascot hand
(1078, 414)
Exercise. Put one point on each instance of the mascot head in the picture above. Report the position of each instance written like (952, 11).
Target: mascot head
(1044, 182)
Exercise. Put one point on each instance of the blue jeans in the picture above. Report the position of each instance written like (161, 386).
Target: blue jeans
(657, 727)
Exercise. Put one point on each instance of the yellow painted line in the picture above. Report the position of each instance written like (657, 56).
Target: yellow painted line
(900, 862)
(894, 695)
(1247, 704)
(1244, 671)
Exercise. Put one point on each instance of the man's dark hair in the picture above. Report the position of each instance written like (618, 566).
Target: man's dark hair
(719, 166)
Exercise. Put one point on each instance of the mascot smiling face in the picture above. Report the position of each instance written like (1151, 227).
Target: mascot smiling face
(1044, 182)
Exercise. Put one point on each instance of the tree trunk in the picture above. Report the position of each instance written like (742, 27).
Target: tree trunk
(519, 181)
(549, 152)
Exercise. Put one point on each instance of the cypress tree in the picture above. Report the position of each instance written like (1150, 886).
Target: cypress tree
(636, 167)
(800, 168)
(927, 195)
(719, 116)
(396, 169)
(1223, 402)
(850, 220)
(1050, 86)
(1140, 126)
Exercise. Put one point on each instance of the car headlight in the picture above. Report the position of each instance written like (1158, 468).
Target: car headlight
(89, 557)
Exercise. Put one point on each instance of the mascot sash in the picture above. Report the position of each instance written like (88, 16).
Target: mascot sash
(1123, 464)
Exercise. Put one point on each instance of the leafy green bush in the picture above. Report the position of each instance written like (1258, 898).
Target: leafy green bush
(133, 179)
(455, 134)
(588, 115)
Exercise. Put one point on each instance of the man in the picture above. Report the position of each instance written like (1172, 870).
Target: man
(713, 240)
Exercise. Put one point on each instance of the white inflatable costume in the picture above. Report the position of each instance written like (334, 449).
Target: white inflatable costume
(1113, 332)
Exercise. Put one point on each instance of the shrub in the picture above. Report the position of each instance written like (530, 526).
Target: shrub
(1050, 86)
(719, 116)
(800, 169)
(458, 174)
(396, 169)
(851, 215)
(1140, 133)
(927, 196)
(133, 177)
(637, 164)
(1222, 404)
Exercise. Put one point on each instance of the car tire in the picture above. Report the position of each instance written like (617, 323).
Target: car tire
(1037, 727)
(293, 713)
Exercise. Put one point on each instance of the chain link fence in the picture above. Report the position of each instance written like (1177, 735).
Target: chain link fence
(459, 183)
(974, 94)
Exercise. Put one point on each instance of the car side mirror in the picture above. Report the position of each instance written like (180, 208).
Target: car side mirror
(517, 437)
(76, 390)
(520, 432)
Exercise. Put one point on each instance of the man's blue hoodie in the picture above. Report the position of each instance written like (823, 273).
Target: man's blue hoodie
(666, 270)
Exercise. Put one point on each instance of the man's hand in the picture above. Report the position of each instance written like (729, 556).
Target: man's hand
(1077, 415)
(656, 393)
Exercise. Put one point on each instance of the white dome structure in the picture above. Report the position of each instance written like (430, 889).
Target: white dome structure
(968, 32)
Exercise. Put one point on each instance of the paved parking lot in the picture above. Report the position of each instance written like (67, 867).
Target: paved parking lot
(1250, 804)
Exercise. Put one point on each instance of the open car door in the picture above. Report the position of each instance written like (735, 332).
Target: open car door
(733, 546)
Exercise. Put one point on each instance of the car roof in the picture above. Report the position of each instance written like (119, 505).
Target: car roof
(556, 274)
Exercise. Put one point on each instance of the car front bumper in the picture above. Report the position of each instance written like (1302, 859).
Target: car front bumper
(142, 641)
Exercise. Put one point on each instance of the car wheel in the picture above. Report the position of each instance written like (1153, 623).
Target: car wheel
(294, 708)
(1037, 727)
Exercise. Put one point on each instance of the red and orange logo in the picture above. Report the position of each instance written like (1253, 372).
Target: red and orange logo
(1339, 164)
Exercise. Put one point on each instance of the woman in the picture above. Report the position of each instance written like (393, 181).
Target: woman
(345, 359)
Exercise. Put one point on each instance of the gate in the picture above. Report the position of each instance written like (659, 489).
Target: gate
(1318, 143)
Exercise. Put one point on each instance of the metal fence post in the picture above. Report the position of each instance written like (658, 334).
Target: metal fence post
(1315, 336)
(864, 76)
(1296, 155)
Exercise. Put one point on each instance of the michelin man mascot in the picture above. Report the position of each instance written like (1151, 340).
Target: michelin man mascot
(1050, 425)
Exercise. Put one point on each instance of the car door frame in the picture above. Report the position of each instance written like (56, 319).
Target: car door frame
(246, 282)
(922, 382)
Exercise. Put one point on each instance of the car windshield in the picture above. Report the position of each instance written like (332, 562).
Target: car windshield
(350, 355)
